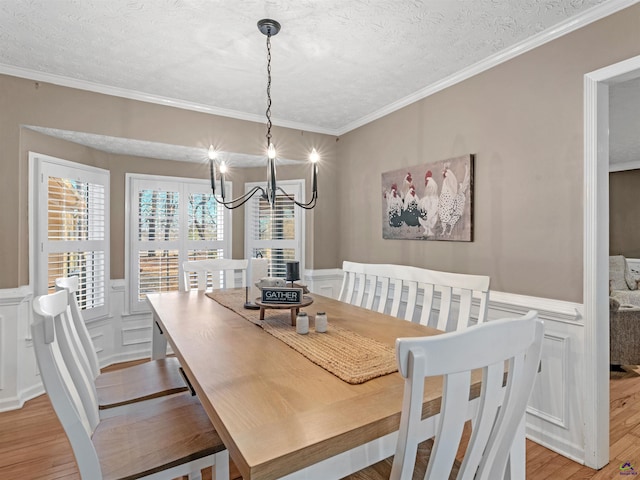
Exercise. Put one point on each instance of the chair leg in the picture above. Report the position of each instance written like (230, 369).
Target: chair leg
(195, 475)
(220, 470)
(516, 466)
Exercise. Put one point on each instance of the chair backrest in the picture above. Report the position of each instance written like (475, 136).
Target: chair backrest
(516, 342)
(79, 328)
(78, 422)
(398, 289)
(221, 271)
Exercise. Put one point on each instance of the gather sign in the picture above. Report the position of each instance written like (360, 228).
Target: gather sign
(282, 295)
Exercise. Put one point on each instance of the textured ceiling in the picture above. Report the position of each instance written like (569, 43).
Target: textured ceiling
(335, 62)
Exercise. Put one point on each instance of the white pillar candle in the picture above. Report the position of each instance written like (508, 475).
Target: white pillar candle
(302, 323)
(259, 268)
(321, 322)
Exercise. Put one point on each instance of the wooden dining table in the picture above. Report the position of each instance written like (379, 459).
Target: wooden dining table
(279, 414)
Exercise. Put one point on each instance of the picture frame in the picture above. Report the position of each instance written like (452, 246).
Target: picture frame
(431, 201)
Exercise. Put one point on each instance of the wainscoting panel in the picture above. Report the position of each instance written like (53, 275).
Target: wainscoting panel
(131, 333)
(136, 336)
(18, 380)
(554, 413)
(549, 398)
(98, 342)
(2, 360)
(324, 282)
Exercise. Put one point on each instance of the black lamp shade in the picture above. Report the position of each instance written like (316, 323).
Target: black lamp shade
(293, 271)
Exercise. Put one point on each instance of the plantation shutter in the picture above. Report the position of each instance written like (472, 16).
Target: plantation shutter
(73, 230)
(276, 233)
(172, 220)
(157, 240)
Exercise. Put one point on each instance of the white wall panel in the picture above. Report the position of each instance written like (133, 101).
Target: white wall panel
(550, 394)
(2, 359)
(324, 282)
(554, 414)
(136, 336)
(18, 379)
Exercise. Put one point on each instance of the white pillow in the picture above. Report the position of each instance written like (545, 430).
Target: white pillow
(629, 277)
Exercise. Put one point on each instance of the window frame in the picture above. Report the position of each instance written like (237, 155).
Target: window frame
(42, 165)
(295, 188)
(134, 183)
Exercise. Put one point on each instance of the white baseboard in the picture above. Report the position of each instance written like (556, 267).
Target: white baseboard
(557, 444)
(14, 403)
(126, 357)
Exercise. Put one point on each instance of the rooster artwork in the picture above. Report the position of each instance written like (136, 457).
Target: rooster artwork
(438, 208)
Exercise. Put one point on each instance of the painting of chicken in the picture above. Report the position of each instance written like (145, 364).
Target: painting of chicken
(442, 210)
(428, 205)
(394, 206)
(452, 199)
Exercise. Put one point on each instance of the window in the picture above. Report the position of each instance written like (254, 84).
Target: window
(72, 231)
(276, 234)
(171, 220)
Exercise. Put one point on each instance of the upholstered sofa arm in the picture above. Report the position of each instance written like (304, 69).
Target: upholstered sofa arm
(627, 297)
(624, 341)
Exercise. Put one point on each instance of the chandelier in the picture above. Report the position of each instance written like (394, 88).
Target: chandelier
(268, 192)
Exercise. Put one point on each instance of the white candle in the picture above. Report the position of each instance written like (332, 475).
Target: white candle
(302, 323)
(321, 322)
(258, 267)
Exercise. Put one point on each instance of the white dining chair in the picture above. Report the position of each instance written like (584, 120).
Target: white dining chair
(514, 342)
(215, 273)
(118, 388)
(170, 438)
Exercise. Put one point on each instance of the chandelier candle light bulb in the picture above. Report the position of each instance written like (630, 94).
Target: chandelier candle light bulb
(223, 170)
(212, 168)
(314, 157)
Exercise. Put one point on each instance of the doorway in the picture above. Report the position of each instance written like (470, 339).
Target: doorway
(596, 255)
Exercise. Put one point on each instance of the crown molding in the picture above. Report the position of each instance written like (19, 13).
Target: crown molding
(596, 13)
(589, 16)
(150, 98)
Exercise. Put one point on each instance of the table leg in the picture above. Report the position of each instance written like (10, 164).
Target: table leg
(158, 341)
(262, 313)
(294, 314)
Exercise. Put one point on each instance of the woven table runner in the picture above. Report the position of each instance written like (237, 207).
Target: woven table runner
(346, 354)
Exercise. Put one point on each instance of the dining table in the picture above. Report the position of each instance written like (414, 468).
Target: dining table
(288, 405)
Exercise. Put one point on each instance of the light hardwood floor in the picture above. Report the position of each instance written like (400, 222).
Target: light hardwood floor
(33, 444)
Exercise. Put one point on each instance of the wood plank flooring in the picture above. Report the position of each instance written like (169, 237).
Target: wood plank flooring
(33, 444)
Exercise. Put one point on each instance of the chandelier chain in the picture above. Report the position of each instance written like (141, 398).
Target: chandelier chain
(268, 112)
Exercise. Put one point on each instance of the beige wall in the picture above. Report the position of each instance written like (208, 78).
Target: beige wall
(624, 213)
(523, 121)
(24, 102)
